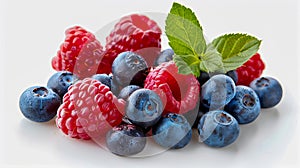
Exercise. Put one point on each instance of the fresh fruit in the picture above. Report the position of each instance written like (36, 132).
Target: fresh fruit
(179, 92)
(129, 69)
(104, 79)
(89, 109)
(217, 92)
(245, 106)
(233, 75)
(204, 76)
(269, 91)
(136, 33)
(250, 70)
(159, 92)
(144, 108)
(165, 56)
(39, 103)
(172, 131)
(61, 81)
(218, 128)
(125, 140)
(80, 53)
(127, 91)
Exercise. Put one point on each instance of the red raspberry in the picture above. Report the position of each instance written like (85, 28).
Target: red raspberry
(80, 53)
(136, 33)
(250, 70)
(89, 110)
(180, 93)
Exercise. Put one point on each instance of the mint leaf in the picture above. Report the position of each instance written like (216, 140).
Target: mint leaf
(212, 60)
(235, 49)
(186, 38)
(187, 64)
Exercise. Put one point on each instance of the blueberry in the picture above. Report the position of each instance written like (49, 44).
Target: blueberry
(172, 131)
(104, 79)
(144, 108)
(39, 103)
(127, 91)
(245, 106)
(129, 69)
(125, 140)
(218, 128)
(217, 92)
(204, 77)
(233, 75)
(269, 91)
(165, 56)
(115, 87)
(60, 82)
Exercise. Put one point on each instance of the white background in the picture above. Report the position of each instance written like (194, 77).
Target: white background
(31, 32)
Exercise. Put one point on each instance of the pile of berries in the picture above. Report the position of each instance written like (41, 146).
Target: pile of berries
(131, 89)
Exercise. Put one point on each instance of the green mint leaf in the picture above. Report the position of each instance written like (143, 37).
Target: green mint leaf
(186, 38)
(235, 49)
(212, 60)
(187, 64)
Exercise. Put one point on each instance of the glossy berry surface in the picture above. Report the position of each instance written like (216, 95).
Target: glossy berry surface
(233, 75)
(39, 103)
(129, 69)
(125, 140)
(218, 129)
(89, 110)
(136, 33)
(164, 56)
(80, 53)
(245, 106)
(127, 91)
(144, 108)
(172, 131)
(269, 91)
(61, 81)
(104, 79)
(180, 93)
(217, 92)
(250, 70)
(204, 76)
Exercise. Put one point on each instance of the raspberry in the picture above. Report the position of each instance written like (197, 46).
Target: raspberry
(136, 33)
(89, 110)
(179, 93)
(80, 53)
(250, 70)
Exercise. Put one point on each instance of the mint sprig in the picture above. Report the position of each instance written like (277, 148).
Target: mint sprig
(187, 46)
(193, 55)
(236, 49)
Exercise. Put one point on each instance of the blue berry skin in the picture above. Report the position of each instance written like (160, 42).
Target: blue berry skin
(39, 103)
(61, 81)
(144, 108)
(269, 91)
(125, 140)
(217, 92)
(218, 129)
(204, 77)
(127, 91)
(172, 131)
(129, 69)
(104, 79)
(165, 56)
(233, 75)
(245, 105)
